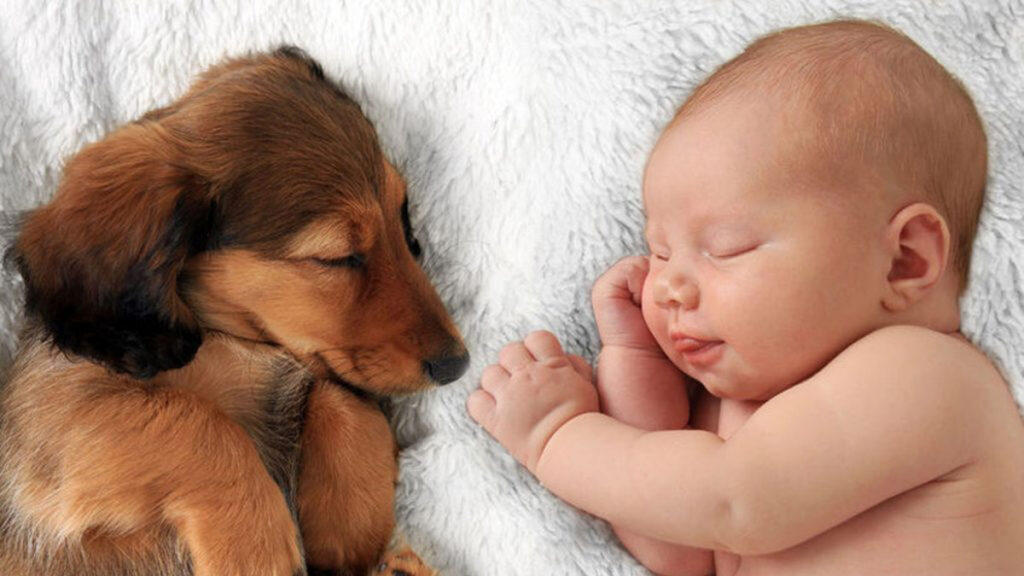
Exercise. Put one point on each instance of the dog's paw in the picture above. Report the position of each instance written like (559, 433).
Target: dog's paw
(403, 562)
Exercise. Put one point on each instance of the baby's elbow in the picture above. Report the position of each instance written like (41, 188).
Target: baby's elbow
(665, 559)
(679, 562)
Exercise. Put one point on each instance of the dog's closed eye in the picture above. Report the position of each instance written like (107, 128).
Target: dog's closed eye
(356, 260)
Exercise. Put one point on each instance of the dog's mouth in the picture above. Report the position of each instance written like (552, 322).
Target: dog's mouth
(320, 368)
(327, 372)
(361, 393)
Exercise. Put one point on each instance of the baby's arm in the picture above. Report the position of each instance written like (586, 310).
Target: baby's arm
(890, 413)
(642, 388)
(649, 399)
(638, 385)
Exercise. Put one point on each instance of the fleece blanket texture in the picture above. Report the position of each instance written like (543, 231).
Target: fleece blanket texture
(522, 127)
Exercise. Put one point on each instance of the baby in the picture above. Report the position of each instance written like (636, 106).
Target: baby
(810, 214)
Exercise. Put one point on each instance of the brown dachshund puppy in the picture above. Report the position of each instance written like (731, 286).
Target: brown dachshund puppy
(216, 298)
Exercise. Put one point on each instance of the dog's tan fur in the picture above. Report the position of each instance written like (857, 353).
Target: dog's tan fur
(215, 298)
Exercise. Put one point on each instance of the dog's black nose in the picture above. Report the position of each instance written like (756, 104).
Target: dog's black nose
(446, 369)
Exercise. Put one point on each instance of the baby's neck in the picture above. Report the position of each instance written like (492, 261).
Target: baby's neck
(959, 335)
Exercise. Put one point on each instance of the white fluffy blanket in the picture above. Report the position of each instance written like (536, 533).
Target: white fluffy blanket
(522, 128)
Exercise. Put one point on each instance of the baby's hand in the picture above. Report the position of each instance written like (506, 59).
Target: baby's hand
(616, 299)
(533, 390)
(637, 383)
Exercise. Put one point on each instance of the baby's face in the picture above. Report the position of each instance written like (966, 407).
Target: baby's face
(759, 275)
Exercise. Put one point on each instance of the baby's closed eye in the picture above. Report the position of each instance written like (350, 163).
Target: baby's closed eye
(730, 251)
(728, 242)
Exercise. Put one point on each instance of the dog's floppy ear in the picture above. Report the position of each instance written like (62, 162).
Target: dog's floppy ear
(101, 261)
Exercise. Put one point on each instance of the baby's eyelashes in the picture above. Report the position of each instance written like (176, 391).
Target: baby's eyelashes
(717, 253)
(729, 252)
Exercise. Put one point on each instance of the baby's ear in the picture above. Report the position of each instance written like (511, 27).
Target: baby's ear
(918, 240)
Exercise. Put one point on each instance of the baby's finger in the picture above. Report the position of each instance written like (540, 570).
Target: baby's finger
(582, 367)
(623, 281)
(493, 379)
(543, 345)
(641, 266)
(481, 406)
(515, 356)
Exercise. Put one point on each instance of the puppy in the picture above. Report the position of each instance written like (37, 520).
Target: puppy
(216, 298)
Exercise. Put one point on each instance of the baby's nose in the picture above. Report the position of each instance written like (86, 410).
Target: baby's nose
(674, 290)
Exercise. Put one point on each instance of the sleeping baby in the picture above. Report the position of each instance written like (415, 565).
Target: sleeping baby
(783, 387)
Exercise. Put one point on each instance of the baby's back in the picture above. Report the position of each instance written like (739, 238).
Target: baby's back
(968, 521)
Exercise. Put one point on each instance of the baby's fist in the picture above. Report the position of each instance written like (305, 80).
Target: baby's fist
(533, 390)
(616, 297)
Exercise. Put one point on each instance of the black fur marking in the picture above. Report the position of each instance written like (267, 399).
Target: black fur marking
(125, 331)
(130, 329)
(195, 224)
(122, 331)
(279, 433)
(296, 53)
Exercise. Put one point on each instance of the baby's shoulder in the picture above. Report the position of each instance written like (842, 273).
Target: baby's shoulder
(922, 358)
(925, 380)
(908, 345)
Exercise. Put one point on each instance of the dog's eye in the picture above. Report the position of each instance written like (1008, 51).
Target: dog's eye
(414, 245)
(410, 240)
(356, 260)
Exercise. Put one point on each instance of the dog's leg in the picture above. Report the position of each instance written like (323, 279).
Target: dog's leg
(129, 460)
(402, 561)
(346, 482)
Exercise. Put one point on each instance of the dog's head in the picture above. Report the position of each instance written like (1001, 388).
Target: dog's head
(258, 205)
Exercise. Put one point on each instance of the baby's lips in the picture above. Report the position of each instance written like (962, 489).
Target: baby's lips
(689, 344)
(686, 343)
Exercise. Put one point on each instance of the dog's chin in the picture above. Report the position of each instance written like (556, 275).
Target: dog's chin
(322, 370)
(373, 395)
(357, 391)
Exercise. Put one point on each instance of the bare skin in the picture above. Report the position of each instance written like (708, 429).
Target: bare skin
(841, 425)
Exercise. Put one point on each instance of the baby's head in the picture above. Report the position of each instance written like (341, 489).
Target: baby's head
(868, 108)
(822, 184)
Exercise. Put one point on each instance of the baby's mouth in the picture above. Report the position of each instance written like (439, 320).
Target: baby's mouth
(688, 345)
(697, 351)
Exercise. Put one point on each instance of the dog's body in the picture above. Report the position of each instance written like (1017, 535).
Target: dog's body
(69, 510)
(214, 299)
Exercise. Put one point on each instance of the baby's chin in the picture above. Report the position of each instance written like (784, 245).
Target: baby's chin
(741, 386)
(728, 377)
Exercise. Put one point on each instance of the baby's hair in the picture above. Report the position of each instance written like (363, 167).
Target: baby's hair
(876, 103)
